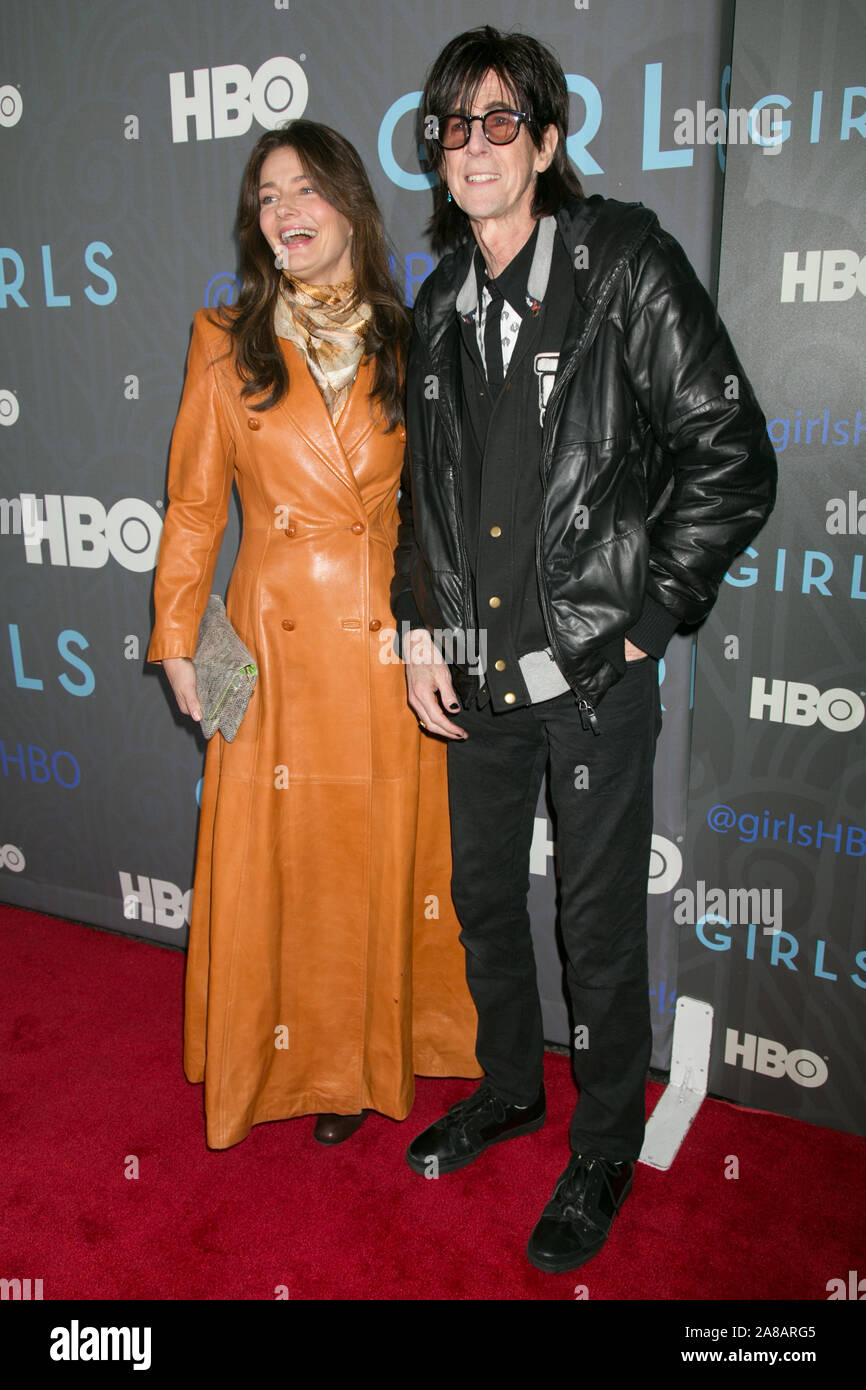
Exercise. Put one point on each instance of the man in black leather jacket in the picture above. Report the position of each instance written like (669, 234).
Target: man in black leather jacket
(585, 459)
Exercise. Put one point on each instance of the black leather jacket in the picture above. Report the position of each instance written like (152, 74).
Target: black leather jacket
(651, 426)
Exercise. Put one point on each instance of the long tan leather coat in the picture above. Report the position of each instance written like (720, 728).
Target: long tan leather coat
(324, 968)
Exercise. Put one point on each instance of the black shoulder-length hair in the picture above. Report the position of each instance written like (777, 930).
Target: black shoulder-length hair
(532, 75)
(335, 168)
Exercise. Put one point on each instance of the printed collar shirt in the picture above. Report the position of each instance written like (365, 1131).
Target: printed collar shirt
(500, 465)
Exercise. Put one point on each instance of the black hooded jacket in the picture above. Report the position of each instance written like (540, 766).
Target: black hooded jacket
(651, 427)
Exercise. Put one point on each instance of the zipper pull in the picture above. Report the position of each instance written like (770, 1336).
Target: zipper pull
(587, 716)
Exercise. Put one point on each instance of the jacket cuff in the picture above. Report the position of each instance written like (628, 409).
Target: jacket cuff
(405, 610)
(408, 617)
(161, 650)
(654, 628)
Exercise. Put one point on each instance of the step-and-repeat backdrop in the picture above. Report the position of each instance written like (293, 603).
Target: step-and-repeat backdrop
(123, 134)
(771, 903)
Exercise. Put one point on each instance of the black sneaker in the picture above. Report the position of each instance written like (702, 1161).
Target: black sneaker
(576, 1221)
(470, 1127)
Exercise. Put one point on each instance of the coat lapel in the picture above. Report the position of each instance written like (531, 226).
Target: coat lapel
(356, 421)
(309, 416)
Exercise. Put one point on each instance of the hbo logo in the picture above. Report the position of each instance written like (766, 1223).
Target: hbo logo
(224, 100)
(828, 276)
(789, 702)
(772, 1059)
(155, 900)
(80, 532)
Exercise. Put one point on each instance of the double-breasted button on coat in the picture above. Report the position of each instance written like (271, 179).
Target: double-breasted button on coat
(324, 968)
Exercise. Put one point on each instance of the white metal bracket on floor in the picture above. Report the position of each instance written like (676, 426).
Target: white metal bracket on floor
(669, 1123)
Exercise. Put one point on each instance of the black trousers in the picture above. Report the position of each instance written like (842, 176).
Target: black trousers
(601, 787)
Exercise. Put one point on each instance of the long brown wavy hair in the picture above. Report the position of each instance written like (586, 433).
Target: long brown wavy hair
(335, 167)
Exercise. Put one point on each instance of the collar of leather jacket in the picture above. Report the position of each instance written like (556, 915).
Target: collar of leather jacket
(600, 234)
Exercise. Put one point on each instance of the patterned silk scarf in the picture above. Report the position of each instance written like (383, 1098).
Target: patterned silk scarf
(327, 324)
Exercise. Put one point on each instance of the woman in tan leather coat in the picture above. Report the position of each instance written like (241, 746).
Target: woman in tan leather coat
(324, 968)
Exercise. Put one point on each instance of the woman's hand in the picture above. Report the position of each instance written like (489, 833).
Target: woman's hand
(427, 676)
(181, 678)
(633, 653)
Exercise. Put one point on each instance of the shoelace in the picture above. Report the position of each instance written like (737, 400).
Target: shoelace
(571, 1192)
(465, 1110)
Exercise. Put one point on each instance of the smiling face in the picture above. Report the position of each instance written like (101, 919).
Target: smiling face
(311, 237)
(497, 182)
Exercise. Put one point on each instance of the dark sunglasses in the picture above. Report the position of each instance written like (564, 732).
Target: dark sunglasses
(452, 132)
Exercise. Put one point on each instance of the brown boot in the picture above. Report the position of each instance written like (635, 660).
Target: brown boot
(333, 1129)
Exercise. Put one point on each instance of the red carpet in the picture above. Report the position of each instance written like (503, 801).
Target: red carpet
(91, 1068)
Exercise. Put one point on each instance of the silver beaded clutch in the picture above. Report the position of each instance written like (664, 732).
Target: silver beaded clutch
(225, 673)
